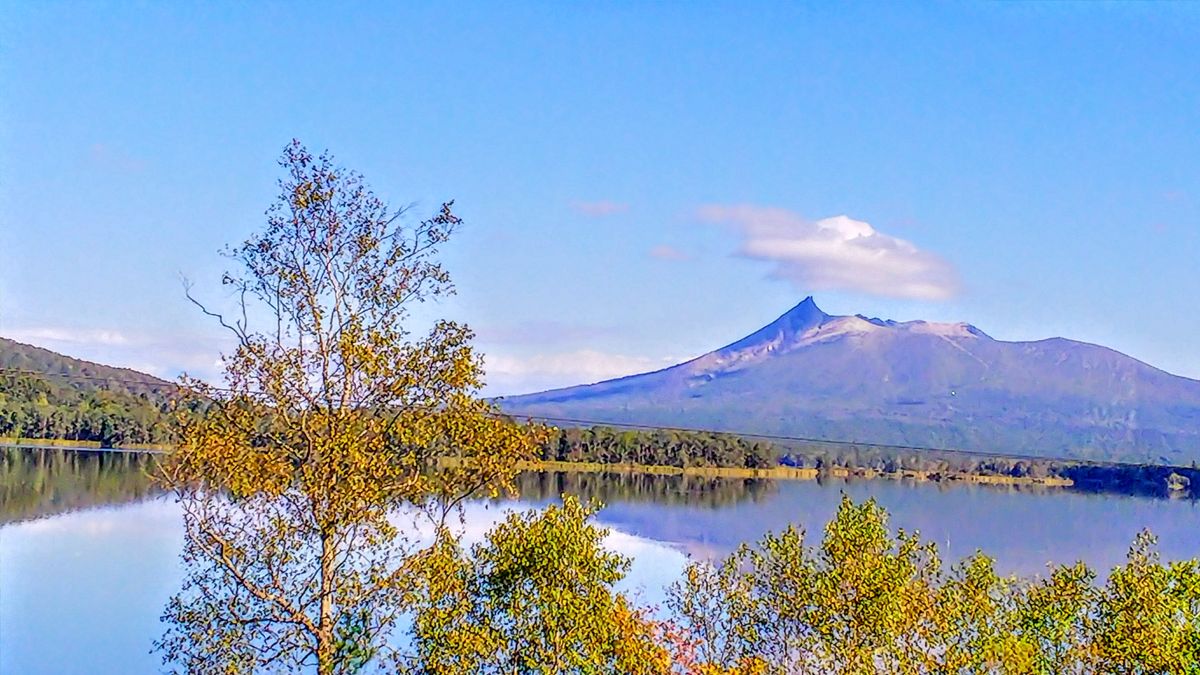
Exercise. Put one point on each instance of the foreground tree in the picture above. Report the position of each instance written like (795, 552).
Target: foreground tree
(1147, 617)
(866, 602)
(333, 418)
(535, 598)
(860, 602)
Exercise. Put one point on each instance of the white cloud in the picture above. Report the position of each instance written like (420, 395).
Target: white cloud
(665, 252)
(523, 374)
(837, 253)
(600, 208)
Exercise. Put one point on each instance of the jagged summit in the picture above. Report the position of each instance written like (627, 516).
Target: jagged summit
(806, 307)
(806, 323)
(813, 374)
(803, 316)
(790, 325)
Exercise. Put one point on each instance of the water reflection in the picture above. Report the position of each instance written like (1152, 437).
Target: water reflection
(613, 488)
(35, 483)
(88, 587)
(1024, 527)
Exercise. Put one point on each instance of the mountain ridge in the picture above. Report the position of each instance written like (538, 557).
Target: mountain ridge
(18, 357)
(853, 378)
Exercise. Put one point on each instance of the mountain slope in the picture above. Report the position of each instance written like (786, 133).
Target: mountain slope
(907, 383)
(84, 376)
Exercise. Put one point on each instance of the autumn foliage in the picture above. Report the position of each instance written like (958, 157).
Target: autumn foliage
(865, 600)
(335, 415)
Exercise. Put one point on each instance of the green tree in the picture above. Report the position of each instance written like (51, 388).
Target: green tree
(1147, 616)
(862, 601)
(536, 598)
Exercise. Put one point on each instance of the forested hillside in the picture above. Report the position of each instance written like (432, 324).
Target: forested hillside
(47, 395)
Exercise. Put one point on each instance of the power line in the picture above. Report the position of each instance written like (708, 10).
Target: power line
(161, 384)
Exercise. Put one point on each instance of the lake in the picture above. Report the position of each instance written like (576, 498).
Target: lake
(88, 550)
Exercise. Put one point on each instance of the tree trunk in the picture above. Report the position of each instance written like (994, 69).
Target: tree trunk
(325, 646)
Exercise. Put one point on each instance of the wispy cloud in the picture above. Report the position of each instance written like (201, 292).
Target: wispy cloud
(837, 253)
(164, 355)
(522, 374)
(113, 158)
(665, 252)
(600, 208)
(74, 336)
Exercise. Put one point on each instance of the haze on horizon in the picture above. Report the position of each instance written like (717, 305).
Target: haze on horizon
(641, 184)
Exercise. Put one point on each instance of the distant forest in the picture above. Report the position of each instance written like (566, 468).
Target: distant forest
(607, 445)
(47, 395)
(37, 407)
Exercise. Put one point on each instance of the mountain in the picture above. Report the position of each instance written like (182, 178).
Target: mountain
(917, 383)
(17, 358)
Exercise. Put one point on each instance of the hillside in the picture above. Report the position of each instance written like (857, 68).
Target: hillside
(907, 383)
(84, 376)
(44, 394)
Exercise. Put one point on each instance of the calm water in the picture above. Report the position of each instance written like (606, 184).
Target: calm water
(88, 554)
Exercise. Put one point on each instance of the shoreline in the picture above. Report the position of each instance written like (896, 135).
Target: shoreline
(66, 444)
(790, 473)
(1155, 480)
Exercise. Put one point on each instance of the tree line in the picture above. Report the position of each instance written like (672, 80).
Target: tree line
(1147, 479)
(667, 447)
(683, 448)
(43, 407)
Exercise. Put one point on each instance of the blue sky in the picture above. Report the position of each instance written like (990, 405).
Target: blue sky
(642, 182)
